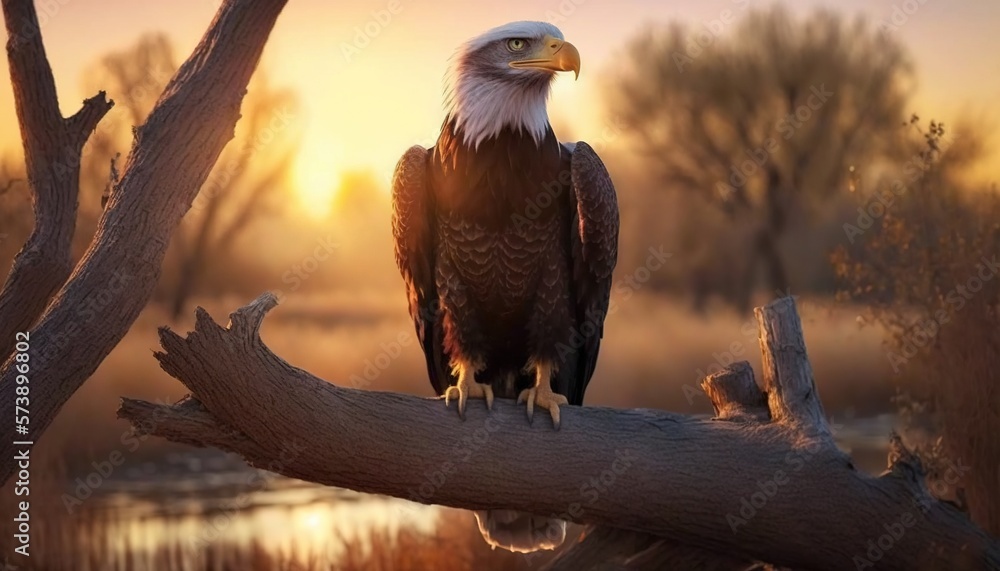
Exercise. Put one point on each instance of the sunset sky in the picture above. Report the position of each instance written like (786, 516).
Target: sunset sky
(362, 111)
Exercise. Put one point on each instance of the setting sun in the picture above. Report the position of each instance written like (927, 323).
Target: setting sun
(317, 176)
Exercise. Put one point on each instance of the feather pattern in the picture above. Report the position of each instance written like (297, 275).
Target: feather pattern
(507, 253)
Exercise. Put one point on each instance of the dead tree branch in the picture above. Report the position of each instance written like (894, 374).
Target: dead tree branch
(52, 146)
(171, 156)
(775, 490)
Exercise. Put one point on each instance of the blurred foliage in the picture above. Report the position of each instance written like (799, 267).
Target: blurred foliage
(753, 129)
(927, 267)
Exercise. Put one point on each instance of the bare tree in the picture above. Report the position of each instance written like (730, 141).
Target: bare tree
(172, 155)
(245, 183)
(134, 77)
(763, 481)
(52, 145)
(244, 187)
(763, 121)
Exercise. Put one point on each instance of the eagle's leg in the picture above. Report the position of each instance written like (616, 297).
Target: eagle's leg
(467, 387)
(541, 394)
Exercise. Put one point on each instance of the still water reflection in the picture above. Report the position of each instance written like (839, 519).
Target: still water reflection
(208, 509)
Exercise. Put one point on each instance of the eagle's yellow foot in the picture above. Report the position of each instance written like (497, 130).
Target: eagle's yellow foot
(542, 395)
(467, 388)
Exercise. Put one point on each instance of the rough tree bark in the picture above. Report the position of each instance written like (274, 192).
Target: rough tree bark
(52, 146)
(761, 482)
(171, 157)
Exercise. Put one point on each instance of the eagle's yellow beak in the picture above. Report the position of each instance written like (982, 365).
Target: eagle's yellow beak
(554, 55)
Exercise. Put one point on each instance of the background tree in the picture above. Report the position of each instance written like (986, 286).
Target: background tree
(245, 184)
(761, 123)
(245, 187)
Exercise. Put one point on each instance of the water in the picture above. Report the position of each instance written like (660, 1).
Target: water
(192, 504)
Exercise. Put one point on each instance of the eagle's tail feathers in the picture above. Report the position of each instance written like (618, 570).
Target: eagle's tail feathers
(520, 532)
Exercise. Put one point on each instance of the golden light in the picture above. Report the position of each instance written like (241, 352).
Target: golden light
(313, 520)
(317, 177)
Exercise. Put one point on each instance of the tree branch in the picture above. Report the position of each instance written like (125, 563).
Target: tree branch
(788, 377)
(52, 147)
(171, 157)
(778, 490)
(609, 548)
(735, 395)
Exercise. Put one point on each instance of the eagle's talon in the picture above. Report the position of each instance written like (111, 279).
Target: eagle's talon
(488, 391)
(467, 390)
(528, 395)
(545, 398)
(461, 399)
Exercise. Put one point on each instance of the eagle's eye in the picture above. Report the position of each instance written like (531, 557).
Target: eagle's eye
(516, 44)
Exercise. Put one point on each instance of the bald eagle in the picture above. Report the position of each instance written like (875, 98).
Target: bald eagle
(506, 240)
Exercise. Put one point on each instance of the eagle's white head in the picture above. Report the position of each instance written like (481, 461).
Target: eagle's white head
(502, 77)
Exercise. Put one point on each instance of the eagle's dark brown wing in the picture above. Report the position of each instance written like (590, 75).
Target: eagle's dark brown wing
(594, 254)
(413, 223)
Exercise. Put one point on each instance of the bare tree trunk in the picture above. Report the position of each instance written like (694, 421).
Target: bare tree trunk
(776, 196)
(746, 285)
(770, 256)
(171, 157)
(761, 482)
(190, 271)
(52, 146)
